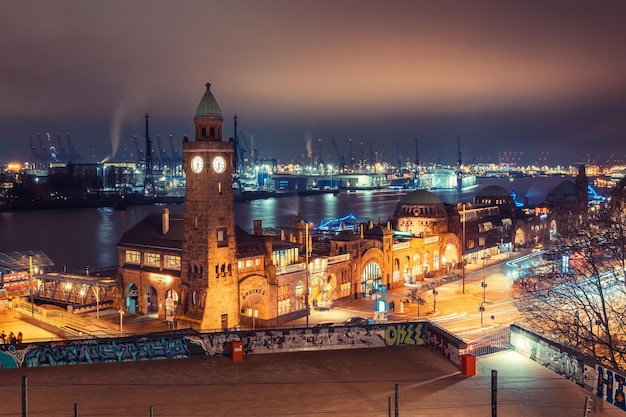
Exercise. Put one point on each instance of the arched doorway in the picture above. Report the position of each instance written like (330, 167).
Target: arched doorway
(450, 259)
(552, 232)
(132, 295)
(152, 302)
(371, 278)
(520, 237)
(252, 309)
(171, 304)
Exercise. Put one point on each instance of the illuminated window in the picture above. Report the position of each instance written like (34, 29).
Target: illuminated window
(172, 262)
(152, 259)
(240, 265)
(222, 239)
(133, 257)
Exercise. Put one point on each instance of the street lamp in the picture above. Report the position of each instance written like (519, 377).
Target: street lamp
(481, 308)
(121, 322)
(463, 249)
(306, 286)
(484, 285)
(434, 300)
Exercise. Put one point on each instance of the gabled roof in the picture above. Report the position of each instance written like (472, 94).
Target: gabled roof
(149, 233)
(249, 245)
(566, 191)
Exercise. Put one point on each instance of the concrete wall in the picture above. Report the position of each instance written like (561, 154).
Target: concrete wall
(572, 364)
(187, 344)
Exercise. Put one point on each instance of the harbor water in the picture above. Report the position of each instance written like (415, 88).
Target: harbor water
(78, 238)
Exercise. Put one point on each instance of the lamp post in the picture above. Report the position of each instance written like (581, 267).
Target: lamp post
(434, 300)
(481, 308)
(30, 285)
(121, 322)
(463, 249)
(484, 284)
(306, 284)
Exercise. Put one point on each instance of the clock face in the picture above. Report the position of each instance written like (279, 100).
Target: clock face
(219, 164)
(197, 164)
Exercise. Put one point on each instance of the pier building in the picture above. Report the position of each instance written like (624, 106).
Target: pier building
(204, 271)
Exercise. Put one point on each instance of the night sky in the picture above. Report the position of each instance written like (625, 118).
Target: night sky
(525, 81)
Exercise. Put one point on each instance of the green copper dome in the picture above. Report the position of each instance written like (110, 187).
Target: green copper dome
(208, 107)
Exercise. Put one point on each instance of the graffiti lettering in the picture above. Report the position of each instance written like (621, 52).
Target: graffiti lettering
(404, 334)
(46, 354)
(610, 387)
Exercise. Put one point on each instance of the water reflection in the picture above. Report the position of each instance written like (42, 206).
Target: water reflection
(88, 236)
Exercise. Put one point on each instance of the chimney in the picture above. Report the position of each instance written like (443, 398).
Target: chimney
(166, 220)
(258, 228)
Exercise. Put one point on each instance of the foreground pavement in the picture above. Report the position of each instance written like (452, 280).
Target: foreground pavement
(325, 383)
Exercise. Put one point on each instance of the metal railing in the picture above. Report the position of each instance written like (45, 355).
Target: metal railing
(497, 341)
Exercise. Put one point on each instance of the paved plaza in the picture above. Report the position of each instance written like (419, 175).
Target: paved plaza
(356, 382)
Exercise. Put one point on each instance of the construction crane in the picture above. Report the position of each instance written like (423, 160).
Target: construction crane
(148, 179)
(350, 154)
(52, 148)
(340, 159)
(253, 154)
(33, 151)
(162, 155)
(74, 156)
(416, 174)
(459, 172)
(174, 156)
(139, 150)
(319, 156)
(61, 148)
(45, 158)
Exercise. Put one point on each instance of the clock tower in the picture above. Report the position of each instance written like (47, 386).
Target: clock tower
(209, 293)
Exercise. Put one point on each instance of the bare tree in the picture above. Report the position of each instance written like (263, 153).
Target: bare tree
(579, 298)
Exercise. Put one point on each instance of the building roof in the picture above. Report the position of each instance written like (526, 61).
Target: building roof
(345, 236)
(208, 107)
(566, 191)
(493, 191)
(420, 197)
(149, 233)
(378, 231)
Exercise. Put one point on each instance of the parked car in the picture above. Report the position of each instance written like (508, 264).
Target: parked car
(357, 321)
(324, 325)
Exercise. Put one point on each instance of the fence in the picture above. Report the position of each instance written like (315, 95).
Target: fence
(491, 343)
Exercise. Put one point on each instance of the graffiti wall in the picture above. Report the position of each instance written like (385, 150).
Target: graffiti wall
(610, 387)
(562, 360)
(448, 345)
(185, 344)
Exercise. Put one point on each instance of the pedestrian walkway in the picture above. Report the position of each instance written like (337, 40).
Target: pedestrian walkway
(341, 383)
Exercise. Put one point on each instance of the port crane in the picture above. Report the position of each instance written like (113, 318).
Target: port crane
(253, 155)
(61, 148)
(148, 180)
(340, 159)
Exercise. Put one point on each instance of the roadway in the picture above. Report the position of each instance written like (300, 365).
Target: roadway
(453, 310)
